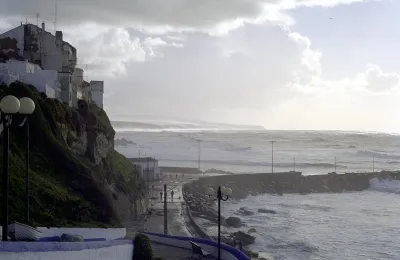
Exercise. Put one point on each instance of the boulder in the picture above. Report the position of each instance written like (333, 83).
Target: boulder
(252, 230)
(245, 211)
(246, 239)
(270, 211)
(71, 238)
(233, 222)
(251, 254)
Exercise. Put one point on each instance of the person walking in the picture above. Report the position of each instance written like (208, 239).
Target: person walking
(161, 195)
(172, 195)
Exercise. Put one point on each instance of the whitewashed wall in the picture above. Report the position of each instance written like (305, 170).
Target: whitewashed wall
(7, 76)
(152, 166)
(208, 245)
(97, 92)
(63, 252)
(107, 233)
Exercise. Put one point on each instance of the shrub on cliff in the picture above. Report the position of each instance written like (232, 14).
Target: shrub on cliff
(142, 248)
(67, 187)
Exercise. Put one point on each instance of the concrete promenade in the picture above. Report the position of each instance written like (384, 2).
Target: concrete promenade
(155, 221)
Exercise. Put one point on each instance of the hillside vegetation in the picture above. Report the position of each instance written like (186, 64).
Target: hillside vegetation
(76, 176)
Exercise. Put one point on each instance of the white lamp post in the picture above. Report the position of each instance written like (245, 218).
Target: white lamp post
(222, 194)
(9, 106)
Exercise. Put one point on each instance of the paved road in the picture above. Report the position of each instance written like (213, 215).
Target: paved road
(155, 222)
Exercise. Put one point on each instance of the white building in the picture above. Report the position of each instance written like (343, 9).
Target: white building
(7, 76)
(48, 51)
(83, 92)
(43, 80)
(147, 167)
(97, 92)
(51, 53)
(77, 82)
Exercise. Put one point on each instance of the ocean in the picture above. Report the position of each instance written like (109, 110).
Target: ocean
(359, 225)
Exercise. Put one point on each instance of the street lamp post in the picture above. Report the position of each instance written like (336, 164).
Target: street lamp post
(272, 164)
(373, 164)
(10, 106)
(335, 164)
(294, 164)
(27, 174)
(198, 154)
(222, 194)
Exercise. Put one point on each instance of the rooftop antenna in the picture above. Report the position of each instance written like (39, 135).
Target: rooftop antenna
(55, 16)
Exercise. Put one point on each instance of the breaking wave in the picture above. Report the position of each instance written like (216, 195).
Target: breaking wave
(379, 155)
(160, 126)
(386, 185)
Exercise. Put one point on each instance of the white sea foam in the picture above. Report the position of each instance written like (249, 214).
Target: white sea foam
(385, 185)
(360, 225)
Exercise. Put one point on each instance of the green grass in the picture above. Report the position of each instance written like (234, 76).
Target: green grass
(65, 189)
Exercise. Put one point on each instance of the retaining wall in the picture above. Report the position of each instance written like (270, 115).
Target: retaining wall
(105, 250)
(86, 233)
(227, 252)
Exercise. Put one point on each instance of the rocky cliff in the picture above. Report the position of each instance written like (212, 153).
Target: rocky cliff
(76, 176)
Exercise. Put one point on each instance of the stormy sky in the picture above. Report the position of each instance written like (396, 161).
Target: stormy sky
(283, 64)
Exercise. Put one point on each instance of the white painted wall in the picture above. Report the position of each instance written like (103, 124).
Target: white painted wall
(121, 252)
(152, 166)
(77, 82)
(43, 80)
(97, 92)
(107, 233)
(213, 250)
(7, 76)
(52, 52)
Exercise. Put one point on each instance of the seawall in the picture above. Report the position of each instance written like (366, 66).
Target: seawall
(290, 182)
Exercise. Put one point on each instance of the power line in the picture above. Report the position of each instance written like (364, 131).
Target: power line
(272, 155)
(199, 152)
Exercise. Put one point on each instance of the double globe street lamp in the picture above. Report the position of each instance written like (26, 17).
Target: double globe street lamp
(11, 106)
(222, 194)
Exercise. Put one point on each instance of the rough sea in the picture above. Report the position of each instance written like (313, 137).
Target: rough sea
(359, 225)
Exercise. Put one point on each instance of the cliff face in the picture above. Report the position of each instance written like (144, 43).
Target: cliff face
(76, 176)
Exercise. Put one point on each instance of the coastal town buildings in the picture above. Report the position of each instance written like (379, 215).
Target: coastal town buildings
(147, 168)
(44, 80)
(97, 91)
(46, 55)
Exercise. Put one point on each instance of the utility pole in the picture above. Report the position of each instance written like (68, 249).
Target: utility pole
(148, 177)
(27, 174)
(272, 164)
(294, 164)
(165, 211)
(199, 152)
(55, 16)
(335, 164)
(373, 164)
